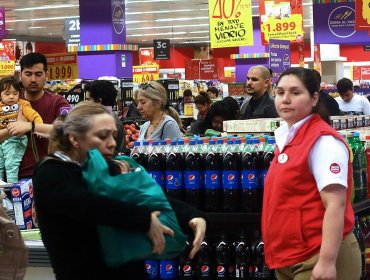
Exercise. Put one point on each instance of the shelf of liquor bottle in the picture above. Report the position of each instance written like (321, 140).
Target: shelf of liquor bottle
(361, 206)
(234, 218)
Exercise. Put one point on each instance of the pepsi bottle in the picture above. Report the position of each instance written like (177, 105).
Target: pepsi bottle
(193, 175)
(249, 177)
(204, 261)
(262, 270)
(223, 265)
(186, 265)
(243, 259)
(267, 157)
(156, 165)
(152, 269)
(213, 176)
(168, 269)
(139, 153)
(231, 177)
(174, 173)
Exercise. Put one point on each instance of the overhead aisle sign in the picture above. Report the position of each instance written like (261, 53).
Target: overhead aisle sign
(281, 20)
(338, 27)
(279, 59)
(230, 23)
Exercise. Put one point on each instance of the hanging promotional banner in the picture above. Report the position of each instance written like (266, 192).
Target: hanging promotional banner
(230, 23)
(282, 20)
(300, 47)
(362, 15)
(361, 72)
(279, 59)
(142, 74)
(317, 58)
(204, 69)
(62, 66)
(338, 27)
(3, 31)
(7, 58)
(146, 56)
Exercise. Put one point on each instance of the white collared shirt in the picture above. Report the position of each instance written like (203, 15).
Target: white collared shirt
(324, 158)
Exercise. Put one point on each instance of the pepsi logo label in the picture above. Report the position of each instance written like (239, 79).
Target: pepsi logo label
(168, 267)
(334, 168)
(220, 269)
(250, 176)
(170, 178)
(16, 192)
(191, 177)
(231, 177)
(214, 177)
(204, 269)
(148, 266)
(186, 268)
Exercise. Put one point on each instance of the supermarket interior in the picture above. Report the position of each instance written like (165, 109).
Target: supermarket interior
(250, 116)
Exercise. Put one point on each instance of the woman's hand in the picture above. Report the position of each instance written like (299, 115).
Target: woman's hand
(156, 233)
(199, 226)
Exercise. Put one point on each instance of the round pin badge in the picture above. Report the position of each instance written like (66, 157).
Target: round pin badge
(283, 158)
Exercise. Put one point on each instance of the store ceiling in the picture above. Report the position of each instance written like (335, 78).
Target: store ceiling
(184, 22)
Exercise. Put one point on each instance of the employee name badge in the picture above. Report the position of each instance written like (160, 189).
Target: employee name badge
(283, 158)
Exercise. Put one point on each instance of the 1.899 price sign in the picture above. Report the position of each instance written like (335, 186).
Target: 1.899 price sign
(63, 72)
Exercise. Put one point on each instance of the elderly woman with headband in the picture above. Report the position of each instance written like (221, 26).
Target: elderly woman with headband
(163, 120)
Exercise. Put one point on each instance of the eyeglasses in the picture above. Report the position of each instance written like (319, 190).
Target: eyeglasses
(145, 86)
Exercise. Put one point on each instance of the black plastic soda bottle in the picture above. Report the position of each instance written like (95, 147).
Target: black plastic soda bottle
(213, 176)
(174, 173)
(193, 175)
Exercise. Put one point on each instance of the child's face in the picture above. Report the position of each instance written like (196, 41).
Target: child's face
(9, 96)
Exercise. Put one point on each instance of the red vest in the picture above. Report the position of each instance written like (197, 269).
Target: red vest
(293, 211)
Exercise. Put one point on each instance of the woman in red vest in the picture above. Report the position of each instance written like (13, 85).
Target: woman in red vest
(307, 217)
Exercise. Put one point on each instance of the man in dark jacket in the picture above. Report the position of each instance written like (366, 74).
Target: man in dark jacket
(330, 103)
(260, 104)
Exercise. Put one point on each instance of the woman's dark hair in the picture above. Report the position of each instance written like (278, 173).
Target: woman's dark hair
(232, 105)
(311, 83)
(102, 91)
(202, 98)
(218, 109)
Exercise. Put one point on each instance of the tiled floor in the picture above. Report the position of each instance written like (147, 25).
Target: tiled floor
(39, 273)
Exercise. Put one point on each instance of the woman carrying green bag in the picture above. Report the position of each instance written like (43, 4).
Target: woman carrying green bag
(69, 213)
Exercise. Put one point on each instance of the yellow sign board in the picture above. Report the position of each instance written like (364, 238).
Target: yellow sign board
(230, 23)
(62, 66)
(142, 74)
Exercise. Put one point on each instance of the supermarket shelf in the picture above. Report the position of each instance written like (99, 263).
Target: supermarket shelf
(361, 206)
(234, 218)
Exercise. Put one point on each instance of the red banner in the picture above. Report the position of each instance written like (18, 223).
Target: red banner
(204, 69)
(361, 72)
(146, 56)
(362, 15)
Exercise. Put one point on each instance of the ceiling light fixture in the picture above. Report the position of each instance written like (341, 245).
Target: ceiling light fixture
(47, 7)
(167, 26)
(177, 19)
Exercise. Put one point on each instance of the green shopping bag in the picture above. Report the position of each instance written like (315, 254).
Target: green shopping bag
(119, 246)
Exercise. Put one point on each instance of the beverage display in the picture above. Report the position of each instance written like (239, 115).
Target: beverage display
(174, 173)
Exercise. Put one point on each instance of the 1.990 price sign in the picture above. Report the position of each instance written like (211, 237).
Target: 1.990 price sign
(63, 72)
(73, 97)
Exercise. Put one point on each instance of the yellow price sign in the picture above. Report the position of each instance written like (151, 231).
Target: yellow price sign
(63, 72)
(283, 29)
(7, 68)
(62, 66)
(142, 74)
(230, 23)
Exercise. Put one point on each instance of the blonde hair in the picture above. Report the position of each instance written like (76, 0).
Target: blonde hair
(78, 121)
(155, 91)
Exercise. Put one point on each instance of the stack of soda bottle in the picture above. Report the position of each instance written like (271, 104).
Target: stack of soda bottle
(220, 259)
(220, 174)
